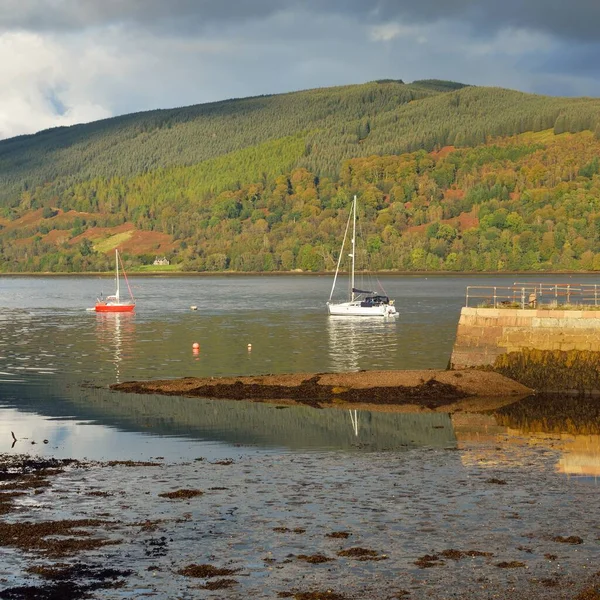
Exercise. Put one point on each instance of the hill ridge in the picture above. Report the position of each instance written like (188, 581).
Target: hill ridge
(262, 183)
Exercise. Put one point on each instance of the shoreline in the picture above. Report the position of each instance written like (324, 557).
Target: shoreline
(467, 521)
(289, 273)
(414, 390)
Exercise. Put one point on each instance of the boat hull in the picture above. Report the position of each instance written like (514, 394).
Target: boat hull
(351, 309)
(111, 308)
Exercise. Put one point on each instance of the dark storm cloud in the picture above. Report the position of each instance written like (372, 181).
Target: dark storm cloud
(62, 15)
(579, 61)
(573, 19)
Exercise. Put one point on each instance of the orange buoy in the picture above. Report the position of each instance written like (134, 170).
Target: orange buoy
(196, 346)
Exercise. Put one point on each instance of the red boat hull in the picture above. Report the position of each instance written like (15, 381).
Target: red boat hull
(115, 307)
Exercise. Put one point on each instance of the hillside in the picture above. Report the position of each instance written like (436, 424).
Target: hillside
(263, 183)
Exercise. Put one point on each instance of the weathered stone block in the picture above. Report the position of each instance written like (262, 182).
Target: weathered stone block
(524, 321)
(566, 346)
(509, 312)
(592, 324)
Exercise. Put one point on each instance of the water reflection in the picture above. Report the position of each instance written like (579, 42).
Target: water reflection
(234, 423)
(567, 426)
(21, 351)
(354, 421)
(115, 335)
(353, 338)
(571, 422)
(581, 456)
(56, 360)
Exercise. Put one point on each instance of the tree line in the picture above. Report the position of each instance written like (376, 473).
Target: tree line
(526, 202)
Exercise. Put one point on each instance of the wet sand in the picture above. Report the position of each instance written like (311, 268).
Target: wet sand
(477, 522)
(428, 389)
(488, 517)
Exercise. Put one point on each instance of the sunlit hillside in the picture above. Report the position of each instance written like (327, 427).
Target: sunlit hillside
(450, 177)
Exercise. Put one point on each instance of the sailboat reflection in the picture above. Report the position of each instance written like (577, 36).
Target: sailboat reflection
(351, 346)
(354, 421)
(115, 333)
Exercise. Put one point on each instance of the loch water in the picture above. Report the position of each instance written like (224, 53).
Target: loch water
(503, 495)
(57, 360)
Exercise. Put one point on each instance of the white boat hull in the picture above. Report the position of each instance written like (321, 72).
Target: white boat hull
(354, 309)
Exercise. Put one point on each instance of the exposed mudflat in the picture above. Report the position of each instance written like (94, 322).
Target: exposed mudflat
(430, 389)
(477, 522)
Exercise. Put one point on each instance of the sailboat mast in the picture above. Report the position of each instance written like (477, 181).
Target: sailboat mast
(353, 248)
(117, 273)
(339, 262)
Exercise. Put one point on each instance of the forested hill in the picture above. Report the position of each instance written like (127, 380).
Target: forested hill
(142, 142)
(263, 183)
(333, 124)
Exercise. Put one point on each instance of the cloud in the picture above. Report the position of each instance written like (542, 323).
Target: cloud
(68, 61)
(510, 42)
(572, 20)
(69, 15)
(42, 86)
(393, 30)
(576, 19)
(577, 61)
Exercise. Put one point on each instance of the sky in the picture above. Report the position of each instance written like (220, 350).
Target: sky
(71, 61)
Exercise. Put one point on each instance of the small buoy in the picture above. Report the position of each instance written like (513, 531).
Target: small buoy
(196, 346)
(249, 346)
(193, 307)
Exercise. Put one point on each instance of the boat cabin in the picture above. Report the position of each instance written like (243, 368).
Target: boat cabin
(375, 300)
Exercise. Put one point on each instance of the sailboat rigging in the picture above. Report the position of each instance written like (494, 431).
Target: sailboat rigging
(114, 303)
(361, 303)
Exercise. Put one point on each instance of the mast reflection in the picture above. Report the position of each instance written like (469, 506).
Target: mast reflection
(354, 420)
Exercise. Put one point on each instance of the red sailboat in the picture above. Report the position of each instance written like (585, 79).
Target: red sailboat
(114, 303)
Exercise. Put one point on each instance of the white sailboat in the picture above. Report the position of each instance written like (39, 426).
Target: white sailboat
(361, 303)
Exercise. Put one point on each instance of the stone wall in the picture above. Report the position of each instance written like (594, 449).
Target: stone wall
(485, 333)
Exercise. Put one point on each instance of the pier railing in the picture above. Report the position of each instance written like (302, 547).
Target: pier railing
(532, 295)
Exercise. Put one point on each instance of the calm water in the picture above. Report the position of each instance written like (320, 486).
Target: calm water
(57, 359)
(505, 481)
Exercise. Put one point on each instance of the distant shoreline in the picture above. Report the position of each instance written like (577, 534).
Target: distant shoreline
(299, 273)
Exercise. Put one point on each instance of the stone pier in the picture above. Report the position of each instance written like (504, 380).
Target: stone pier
(484, 334)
